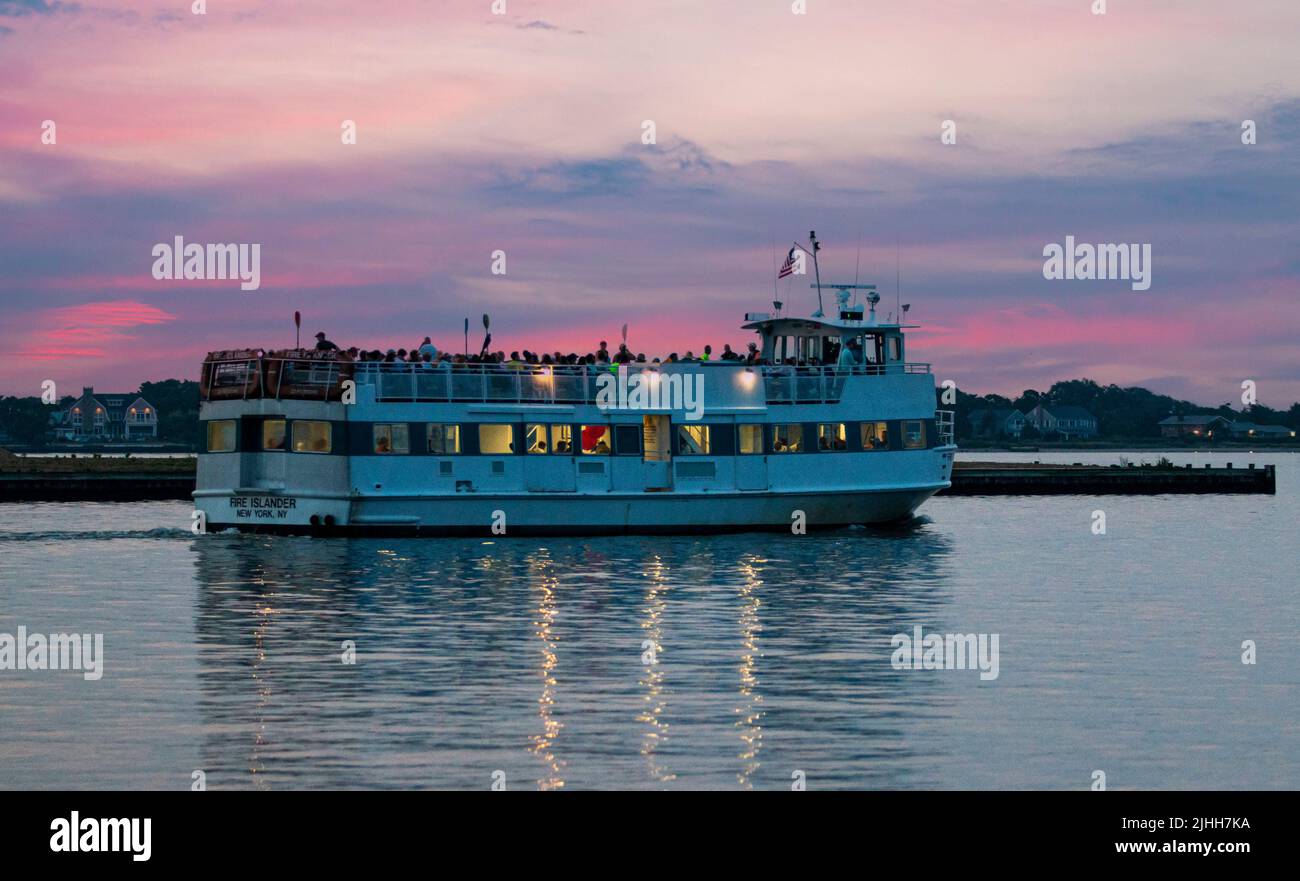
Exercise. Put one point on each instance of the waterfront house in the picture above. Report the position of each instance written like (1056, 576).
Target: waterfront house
(997, 423)
(1063, 419)
(100, 416)
(1201, 425)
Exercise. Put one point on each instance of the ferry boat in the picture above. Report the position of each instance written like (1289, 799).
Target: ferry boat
(304, 441)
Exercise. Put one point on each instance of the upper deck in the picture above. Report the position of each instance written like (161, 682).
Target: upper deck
(320, 376)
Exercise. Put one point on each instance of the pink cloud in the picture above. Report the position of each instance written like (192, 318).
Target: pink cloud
(85, 331)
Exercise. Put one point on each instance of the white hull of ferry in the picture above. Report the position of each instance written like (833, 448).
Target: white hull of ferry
(528, 514)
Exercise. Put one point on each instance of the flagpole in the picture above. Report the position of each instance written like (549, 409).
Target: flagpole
(776, 280)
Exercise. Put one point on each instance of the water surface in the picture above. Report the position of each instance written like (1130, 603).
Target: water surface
(1119, 652)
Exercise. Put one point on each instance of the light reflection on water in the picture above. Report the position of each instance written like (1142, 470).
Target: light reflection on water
(224, 653)
(578, 655)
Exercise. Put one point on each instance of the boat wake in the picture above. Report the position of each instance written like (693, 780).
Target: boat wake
(97, 535)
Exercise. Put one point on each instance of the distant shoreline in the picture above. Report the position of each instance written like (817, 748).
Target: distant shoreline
(1107, 446)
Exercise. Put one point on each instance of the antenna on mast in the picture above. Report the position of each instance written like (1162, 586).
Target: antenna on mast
(898, 281)
(858, 263)
(776, 280)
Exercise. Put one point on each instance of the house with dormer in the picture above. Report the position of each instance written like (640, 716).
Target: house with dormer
(1063, 419)
(100, 416)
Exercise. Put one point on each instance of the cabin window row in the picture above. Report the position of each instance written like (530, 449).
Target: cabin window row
(302, 436)
(689, 439)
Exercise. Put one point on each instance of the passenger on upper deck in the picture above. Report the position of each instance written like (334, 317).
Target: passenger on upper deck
(849, 355)
(427, 355)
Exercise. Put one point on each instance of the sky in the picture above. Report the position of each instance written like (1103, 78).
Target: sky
(524, 132)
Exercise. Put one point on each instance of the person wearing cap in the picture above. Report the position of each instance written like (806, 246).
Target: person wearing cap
(324, 345)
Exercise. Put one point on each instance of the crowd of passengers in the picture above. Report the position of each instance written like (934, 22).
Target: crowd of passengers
(428, 354)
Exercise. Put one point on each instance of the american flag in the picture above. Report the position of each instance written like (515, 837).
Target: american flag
(787, 268)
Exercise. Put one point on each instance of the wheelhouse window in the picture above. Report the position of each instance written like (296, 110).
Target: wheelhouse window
(692, 440)
(787, 438)
(392, 437)
(312, 437)
(496, 440)
(273, 431)
(595, 440)
(444, 439)
(751, 439)
(556, 439)
(831, 436)
(875, 436)
(221, 436)
(914, 434)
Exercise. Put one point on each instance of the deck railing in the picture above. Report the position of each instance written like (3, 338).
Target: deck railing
(304, 376)
(945, 422)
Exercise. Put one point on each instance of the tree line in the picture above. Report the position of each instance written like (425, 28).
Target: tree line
(27, 420)
(1121, 412)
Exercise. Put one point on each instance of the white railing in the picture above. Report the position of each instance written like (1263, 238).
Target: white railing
(945, 422)
(577, 384)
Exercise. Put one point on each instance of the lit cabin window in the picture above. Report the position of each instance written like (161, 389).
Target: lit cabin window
(562, 439)
(692, 440)
(595, 440)
(914, 435)
(444, 440)
(537, 439)
(221, 436)
(831, 436)
(496, 440)
(273, 434)
(310, 436)
(787, 438)
(751, 439)
(875, 436)
(392, 438)
(541, 439)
